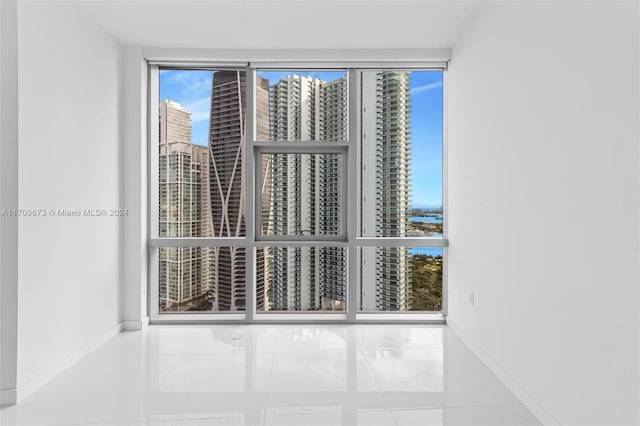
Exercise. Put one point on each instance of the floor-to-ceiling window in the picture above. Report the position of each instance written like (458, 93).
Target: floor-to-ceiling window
(292, 193)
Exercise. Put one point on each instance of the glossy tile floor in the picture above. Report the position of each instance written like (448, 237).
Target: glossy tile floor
(276, 375)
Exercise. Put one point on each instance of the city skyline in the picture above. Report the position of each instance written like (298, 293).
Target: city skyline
(192, 89)
(300, 194)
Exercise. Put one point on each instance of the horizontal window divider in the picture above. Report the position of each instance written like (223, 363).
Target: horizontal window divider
(298, 243)
(201, 242)
(317, 65)
(309, 316)
(280, 243)
(285, 145)
(439, 64)
(198, 66)
(322, 313)
(301, 148)
(285, 239)
(300, 59)
(203, 316)
(401, 242)
(400, 66)
(408, 316)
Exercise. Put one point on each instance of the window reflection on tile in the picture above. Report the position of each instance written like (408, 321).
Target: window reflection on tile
(408, 370)
(205, 373)
(269, 375)
(309, 372)
(391, 337)
(312, 339)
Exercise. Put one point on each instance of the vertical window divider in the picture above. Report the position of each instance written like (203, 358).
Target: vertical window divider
(353, 208)
(153, 208)
(445, 204)
(250, 194)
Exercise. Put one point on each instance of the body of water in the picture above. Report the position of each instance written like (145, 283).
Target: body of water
(437, 219)
(429, 251)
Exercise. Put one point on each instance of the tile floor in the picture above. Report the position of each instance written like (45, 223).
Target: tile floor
(276, 375)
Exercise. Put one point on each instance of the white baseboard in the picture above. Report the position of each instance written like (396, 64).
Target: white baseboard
(8, 397)
(527, 400)
(135, 325)
(44, 377)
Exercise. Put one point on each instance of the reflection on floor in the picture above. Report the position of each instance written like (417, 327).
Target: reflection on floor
(276, 375)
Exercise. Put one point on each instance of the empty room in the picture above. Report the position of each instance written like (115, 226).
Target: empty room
(355, 212)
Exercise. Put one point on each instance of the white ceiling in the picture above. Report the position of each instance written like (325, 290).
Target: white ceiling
(278, 24)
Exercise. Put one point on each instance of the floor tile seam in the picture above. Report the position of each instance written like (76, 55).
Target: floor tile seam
(412, 347)
(383, 410)
(401, 349)
(428, 406)
(216, 354)
(474, 405)
(259, 418)
(311, 351)
(145, 421)
(302, 414)
(341, 410)
(326, 411)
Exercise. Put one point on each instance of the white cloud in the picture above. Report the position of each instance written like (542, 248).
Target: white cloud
(199, 109)
(426, 87)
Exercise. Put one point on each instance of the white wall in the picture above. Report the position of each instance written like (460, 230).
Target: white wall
(134, 162)
(8, 199)
(543, 196)
(69, 124)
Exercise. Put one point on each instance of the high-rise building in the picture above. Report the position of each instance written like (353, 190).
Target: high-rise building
(389, 185)
(184, 271)
(264, 255)
(334, 116)
(295, 117)
(227, 142)
(307, 193)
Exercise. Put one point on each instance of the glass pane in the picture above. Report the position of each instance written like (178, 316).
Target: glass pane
(201, 161)
(400, 279)
(401, 170)
(301, 194)
(302, 105)
(201, 279)
(301, 279)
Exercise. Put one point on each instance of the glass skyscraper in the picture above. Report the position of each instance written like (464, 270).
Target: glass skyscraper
(183, 198)
(227, 143)
(386, 191)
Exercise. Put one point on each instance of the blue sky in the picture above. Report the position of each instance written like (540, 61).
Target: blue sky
(426, 138)
(192, 89)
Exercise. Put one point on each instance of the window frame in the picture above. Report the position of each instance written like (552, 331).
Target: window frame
(285, 148)
(252, 240)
